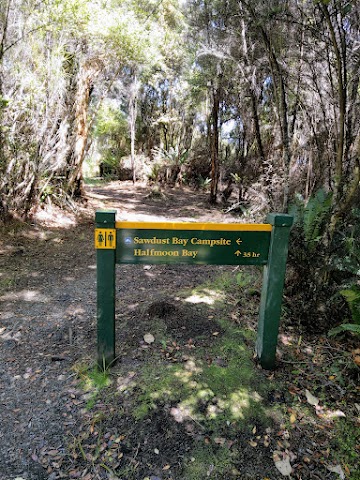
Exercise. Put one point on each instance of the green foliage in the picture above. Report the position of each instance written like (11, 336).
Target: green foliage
(46, 192)
(110, 121)
(111, 131)
(172, 156)
(346, 8)
(203, 183)
(352, 296)
(347, 258)
(346, 262)
(155, 169)
(243, 279)
(93, 381)
(7, 283)
(93, 181)
(316, 214)
(204, 458)
(346, 439)
(236, 178)
(4, 102)
(230, 385)
(312, 217)
(345, 327)
(314, 288)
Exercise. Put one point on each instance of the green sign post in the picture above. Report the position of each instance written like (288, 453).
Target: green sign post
(192, 243)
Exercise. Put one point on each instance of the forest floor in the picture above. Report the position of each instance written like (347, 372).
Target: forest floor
(185, 399)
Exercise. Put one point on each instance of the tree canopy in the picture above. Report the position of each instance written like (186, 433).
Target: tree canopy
(257, 100)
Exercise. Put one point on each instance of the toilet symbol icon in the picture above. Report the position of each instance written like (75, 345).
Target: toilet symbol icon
(110, 238)
(100, 238)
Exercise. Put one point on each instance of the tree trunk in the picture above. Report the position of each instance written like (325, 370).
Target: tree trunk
(3, 34)
(341, 200)
(134, 89)
(214, 144)
(76, 158)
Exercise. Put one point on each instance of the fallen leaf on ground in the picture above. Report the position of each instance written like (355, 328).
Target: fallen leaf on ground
(331, 414)
(148, 338)
(337, 469)
(220, 440)
(53, 453)
(357, 360)
(311, 398)
(284, 466)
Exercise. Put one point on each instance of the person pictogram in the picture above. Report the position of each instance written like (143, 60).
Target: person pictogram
(100, 238)
(110, 238)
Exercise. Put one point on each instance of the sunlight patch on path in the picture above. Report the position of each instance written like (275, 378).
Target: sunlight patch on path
(25, 296)
(209, 297)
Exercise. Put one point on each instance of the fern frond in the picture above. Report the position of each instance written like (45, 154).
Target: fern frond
(345, 327)
(315, 215)
(352, 296)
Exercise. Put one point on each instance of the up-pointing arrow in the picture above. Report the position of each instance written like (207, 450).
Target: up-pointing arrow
(238, 241)
(237, 253)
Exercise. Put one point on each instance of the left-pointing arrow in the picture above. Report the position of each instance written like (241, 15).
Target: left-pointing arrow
(238, 241)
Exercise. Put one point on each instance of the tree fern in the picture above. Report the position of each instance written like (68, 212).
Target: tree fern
(315, 216)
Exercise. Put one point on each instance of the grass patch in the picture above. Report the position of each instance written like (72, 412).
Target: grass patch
(232, 282)
(208, 462)
(7, 283)
(92, 381)
(212, 386)
(227, 289)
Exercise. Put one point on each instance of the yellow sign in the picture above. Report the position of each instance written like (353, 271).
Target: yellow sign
(218, 227)
(105, 238)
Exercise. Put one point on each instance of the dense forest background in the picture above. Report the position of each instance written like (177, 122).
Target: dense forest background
(256, 101)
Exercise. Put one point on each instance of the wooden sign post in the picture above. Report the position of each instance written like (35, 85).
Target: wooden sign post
(192, 243)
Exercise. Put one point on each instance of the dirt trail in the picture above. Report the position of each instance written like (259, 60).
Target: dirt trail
(47, 316)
